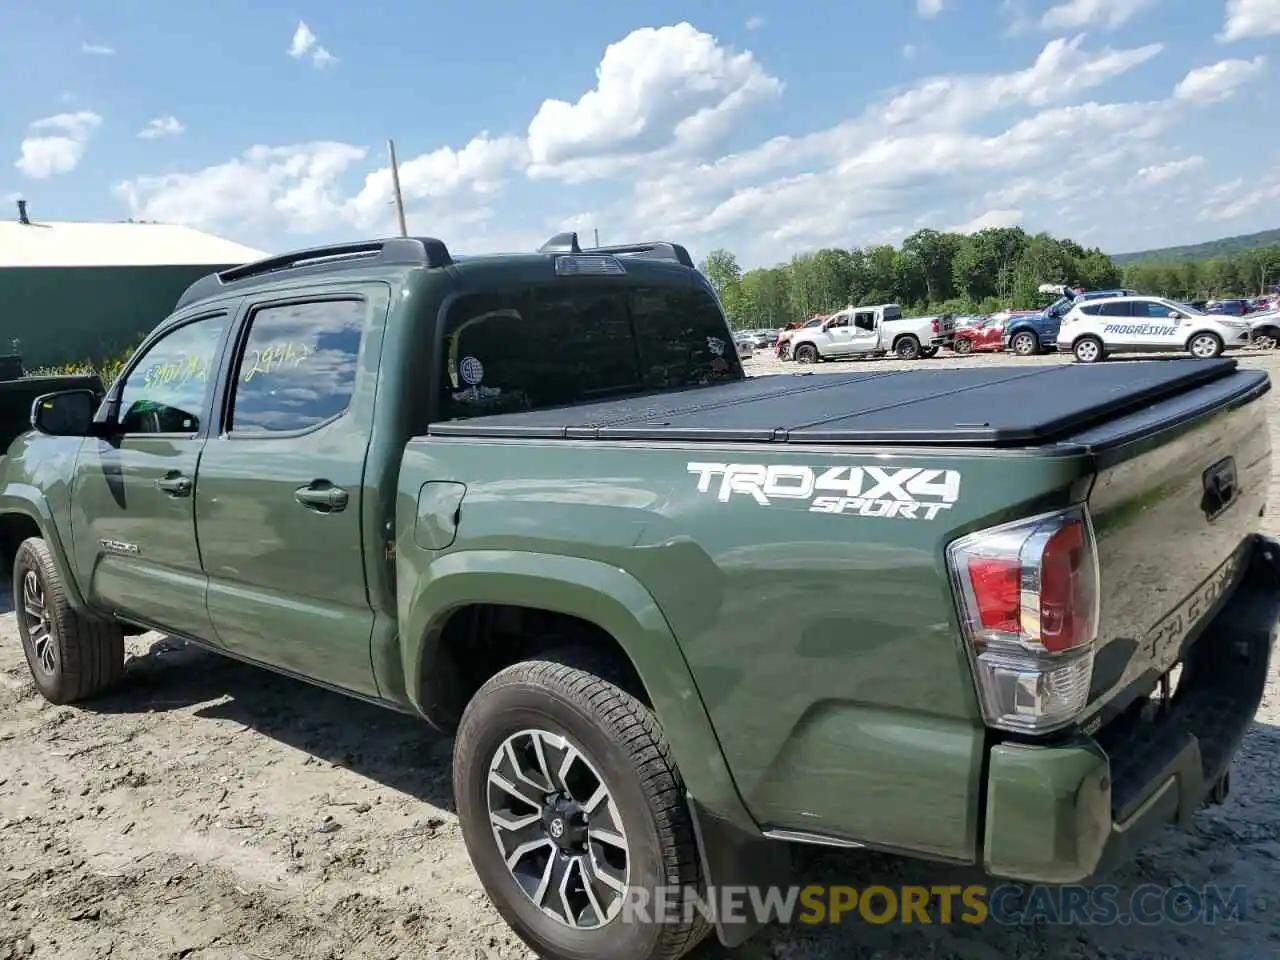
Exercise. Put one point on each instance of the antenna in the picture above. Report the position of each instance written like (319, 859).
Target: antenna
(395, 186)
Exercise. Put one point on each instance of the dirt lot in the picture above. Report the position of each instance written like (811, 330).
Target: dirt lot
(211, 811)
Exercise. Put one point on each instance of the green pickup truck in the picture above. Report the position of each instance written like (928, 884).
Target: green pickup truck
(676, 618)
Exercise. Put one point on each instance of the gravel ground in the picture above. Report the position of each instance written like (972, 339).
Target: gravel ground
(212, 811)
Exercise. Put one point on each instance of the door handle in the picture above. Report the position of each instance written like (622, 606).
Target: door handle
(175, 485)
(322, 496)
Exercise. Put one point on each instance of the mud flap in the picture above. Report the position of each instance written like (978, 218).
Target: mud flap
(734, 857)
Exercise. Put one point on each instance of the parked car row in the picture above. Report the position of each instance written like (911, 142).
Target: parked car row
(1091, 324)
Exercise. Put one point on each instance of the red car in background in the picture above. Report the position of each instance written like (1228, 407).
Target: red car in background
(981, 334)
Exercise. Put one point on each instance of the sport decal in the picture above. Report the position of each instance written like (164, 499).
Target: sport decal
(1141, 329)
(908, 493)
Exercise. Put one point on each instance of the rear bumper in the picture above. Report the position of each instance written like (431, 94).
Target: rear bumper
(1067, 813)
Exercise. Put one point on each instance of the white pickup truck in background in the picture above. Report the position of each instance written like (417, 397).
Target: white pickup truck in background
(872, 331)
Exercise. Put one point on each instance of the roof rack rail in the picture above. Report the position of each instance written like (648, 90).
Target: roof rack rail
(653, 249)
(412, 251)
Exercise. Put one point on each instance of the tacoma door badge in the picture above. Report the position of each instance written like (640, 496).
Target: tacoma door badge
(119, 546)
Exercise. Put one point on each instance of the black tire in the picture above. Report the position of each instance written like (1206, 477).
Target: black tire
(1212, 345)
(907, 348)
(1024, 343)
(82, 657)
(929, 352)
(1266, 338)
(806, 353)
(566, 695)
(962, 346)
(1088, 350)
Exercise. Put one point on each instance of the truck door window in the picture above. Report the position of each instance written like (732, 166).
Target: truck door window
(561, 344)
(298, 366)
(864, 321)
(166, 390)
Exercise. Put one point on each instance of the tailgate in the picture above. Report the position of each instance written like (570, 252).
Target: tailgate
(1173, 512)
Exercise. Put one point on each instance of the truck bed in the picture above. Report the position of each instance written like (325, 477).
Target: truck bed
(1005, 406)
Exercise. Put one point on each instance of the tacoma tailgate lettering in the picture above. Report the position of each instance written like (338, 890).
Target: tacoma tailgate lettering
(909, 493)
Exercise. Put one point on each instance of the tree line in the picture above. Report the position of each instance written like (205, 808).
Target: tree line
(937, 272)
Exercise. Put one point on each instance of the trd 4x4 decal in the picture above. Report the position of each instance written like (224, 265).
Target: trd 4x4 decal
(911, 493)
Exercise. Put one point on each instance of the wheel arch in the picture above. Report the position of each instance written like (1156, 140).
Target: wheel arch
(1186, 344)
(613, 606)
(24, 512)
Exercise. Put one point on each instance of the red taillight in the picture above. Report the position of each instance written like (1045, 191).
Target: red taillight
(937, 327)
(996, 587)
(1027, 594)
(1066, 590)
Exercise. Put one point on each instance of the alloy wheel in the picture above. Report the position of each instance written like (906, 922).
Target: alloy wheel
(558, 829)
(39, 628)
(1204, 346)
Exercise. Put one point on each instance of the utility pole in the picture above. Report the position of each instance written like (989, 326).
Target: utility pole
(596, 231)
(395, 185)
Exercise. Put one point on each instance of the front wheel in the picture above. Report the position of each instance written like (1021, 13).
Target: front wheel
(573, 813)
(962, 347)
(71, 657)
(806, 353)
(1088, 349)
(1025, 344)
(1206, 345)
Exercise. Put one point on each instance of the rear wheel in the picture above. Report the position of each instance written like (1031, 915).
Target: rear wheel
(907, 348)
(1266, 338)
(928, 352)
(962, 346)
(1088, 349)
(806, 353)
(1205, 345)
(71, 657)
(571, 806)
(1025, 343)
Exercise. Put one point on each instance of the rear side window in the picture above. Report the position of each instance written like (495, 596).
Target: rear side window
(1116, 308)
(298, 368)
(1091, 309)
(565, 344)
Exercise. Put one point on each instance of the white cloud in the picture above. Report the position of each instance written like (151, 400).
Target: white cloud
(1239, 197)
(755, 23)
(55, 145)
(169, 126)
(670, 90)
(1164, 172)
(929, 8)
(1220, 80)
(991, 218)
(1074, 14)
(306, 44)
(297, 187)
(1062, 70)
(1250, 18)
(908, 51)
(97, 50)
(642, 153)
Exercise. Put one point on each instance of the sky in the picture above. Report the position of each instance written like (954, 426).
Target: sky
(765, 127)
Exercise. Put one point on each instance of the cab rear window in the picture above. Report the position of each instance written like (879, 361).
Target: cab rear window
(576, 342)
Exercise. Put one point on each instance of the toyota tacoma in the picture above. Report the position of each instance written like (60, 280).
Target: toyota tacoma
(675, 618)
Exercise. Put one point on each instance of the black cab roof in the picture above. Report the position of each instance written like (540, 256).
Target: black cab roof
(420, 253)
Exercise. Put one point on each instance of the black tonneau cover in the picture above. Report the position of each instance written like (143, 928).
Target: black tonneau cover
(975, 406)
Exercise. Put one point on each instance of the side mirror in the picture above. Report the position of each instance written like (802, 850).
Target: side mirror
(1174, 315)
(68, 413)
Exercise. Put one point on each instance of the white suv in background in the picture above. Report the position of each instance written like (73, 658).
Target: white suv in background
(1093, 329)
